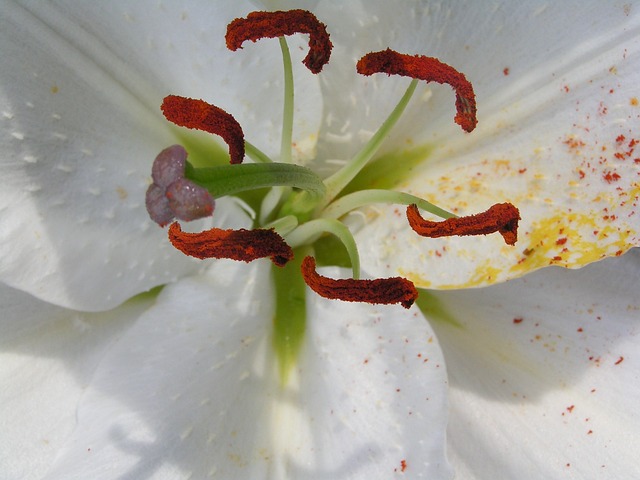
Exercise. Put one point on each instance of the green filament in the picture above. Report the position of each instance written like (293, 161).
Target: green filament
(290, 317)
(336, 182)
(255, 154)
(231, 179)
(368, 197)
(311, 231)
(287, 113)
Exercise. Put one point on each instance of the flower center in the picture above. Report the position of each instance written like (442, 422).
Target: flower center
(301, 208)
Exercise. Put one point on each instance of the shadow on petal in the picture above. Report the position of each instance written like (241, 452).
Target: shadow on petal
(193, 390)
(552, 326)
(543, 373)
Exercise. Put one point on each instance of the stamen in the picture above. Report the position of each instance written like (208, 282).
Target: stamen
(198, 114)
(380, 290)
(243, 245)
(429, 69)
(340, 179)
(259, 25)
(501, 217)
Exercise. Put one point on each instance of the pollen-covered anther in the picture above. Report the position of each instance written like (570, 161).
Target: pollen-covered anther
(501, 217)
(378, 291)
(200, 115)
(243, 245)
(259, 25)
(429, 69)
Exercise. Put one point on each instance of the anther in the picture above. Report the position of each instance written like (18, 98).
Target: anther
(501, 217)
(378, 291)
(259, 25)
(429, 69)
(243, 245)
(199, 115)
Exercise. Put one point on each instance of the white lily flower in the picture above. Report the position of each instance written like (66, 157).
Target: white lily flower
(185, 383)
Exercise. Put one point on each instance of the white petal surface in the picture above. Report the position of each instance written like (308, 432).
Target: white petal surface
(356, 106)
(192, 392)
(80, 90)
(47, 357)
(558, 111)
(544, 374)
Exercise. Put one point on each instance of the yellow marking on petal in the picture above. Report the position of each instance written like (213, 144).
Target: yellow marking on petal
(415, 277)
(486, 273)
(570, 240)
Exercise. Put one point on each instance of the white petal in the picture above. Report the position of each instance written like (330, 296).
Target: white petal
(192, 392)
(355, 106)
(80, 90)
(544, 374)
(47, 357)
(556, 137)
(181, 50)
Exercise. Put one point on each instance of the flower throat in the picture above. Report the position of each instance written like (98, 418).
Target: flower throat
(300, 208)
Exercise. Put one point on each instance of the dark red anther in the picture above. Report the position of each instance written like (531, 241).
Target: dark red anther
(378, 291)
(198, 114)
(244, 245)
(429, 69)
(501, 217)
(259, 25)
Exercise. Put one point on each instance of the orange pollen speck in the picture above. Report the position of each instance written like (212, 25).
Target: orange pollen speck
(429, 69)
(259, 25)
(199, 115)
(244, 245)
(378, 291)
(501, 217)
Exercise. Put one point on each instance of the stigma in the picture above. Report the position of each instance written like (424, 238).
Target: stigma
(171, 195)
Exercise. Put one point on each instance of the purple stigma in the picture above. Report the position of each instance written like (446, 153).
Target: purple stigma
(171, 195)
(169, 165)
(189, 201)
